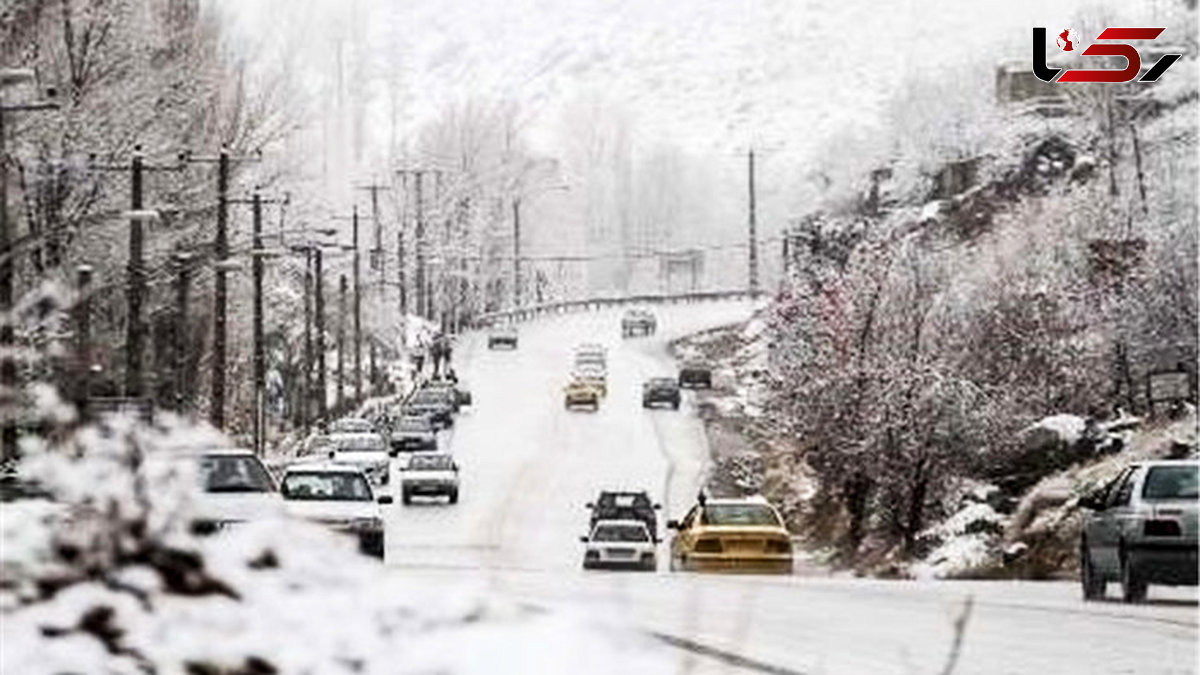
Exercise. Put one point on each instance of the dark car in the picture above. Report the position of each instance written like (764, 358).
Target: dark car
(695, 376)
(413, 433)
(502, 336)
(660, 390)
(625, 505)
(638, 322)
(437, 404)
(459, 394)
(1141, 529)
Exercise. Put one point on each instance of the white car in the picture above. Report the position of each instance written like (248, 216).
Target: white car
(338, 496)
(365, 451)
(234, 487)
(429, 474)
(619, 544)
(351, 425)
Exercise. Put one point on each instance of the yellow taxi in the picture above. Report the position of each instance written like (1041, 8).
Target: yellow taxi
(581, 393)
(744, 534)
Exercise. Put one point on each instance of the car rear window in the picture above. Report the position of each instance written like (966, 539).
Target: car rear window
(336, 486)
(431, 462)
(1171, 482)
(234, 473)
(740, 514)
(370, 443)
(414, 424)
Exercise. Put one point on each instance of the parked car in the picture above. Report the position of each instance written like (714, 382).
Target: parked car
(625, 505)
(365, 451)
(413, 433)
(695, 375)
(579, 393)
(619, 544)
(457, 392)
(661, 390)
(736, 535)
(1141, 529)
(502, 336)
(438, 404)
(338, 496)
(430, 475)
(638, 322)
(234, 488)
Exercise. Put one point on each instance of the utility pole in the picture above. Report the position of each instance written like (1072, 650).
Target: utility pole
(182, 339)
(322, 403)
(424, 308)
(753, 243)
(358, 394)
(516, 209)
(377, 264)
(260, 359)
(306, 405)
(341, 341)
(220, 293)
(400, 276)
(223, 160)
(136, 284)
(8, 364)
(83, 336)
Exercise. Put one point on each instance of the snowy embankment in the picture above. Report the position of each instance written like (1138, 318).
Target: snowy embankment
(107, 578)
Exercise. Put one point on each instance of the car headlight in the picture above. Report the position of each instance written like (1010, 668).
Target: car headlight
(366, 524)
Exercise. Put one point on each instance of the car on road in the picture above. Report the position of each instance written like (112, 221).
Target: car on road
(502, 336)
(579, 393)
(658, 390)
(413, 433)
(619, 544)
(1141, 529)
(593, 375)
(367, 452)
(436, 403)
(235, 487)
(625, 505)
(591, 354)
(638, 322)
(433, 474)
(695, 375)
(338, 496)
(352, 425)
(744, 534)
(454, 391)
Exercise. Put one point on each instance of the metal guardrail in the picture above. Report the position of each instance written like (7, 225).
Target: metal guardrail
(592, 304)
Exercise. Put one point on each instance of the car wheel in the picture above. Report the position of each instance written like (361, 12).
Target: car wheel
(454, 497)
(675, 404)
(1093, 584)
(406, 497)
(645, 403)
(1133, 587)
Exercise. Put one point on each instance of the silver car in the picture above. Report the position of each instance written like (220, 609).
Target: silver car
(1141, 530)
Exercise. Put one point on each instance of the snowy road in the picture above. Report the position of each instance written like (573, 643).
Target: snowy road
(529, 467)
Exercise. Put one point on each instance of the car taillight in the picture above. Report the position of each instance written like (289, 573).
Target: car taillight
(592, 555)
(708, 546)
(1161, 528)
(779, 546)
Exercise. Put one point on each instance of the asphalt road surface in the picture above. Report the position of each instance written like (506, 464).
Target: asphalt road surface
(529, 467)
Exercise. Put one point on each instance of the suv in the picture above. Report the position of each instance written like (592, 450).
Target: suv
(502, 335)
(638, 322)
(625, 505)
(695, 376)
(1141, 530)
(660, 390)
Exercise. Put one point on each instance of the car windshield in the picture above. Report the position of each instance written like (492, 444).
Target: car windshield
(363, 443)
(1172, 482)
(234, 473)
(740, 514)
(427, 397)
(431, 463)
(414, 424)
(620, 533)
(353, 426)
(342, 486)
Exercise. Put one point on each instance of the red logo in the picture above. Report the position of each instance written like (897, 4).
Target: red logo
(1133, 60)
